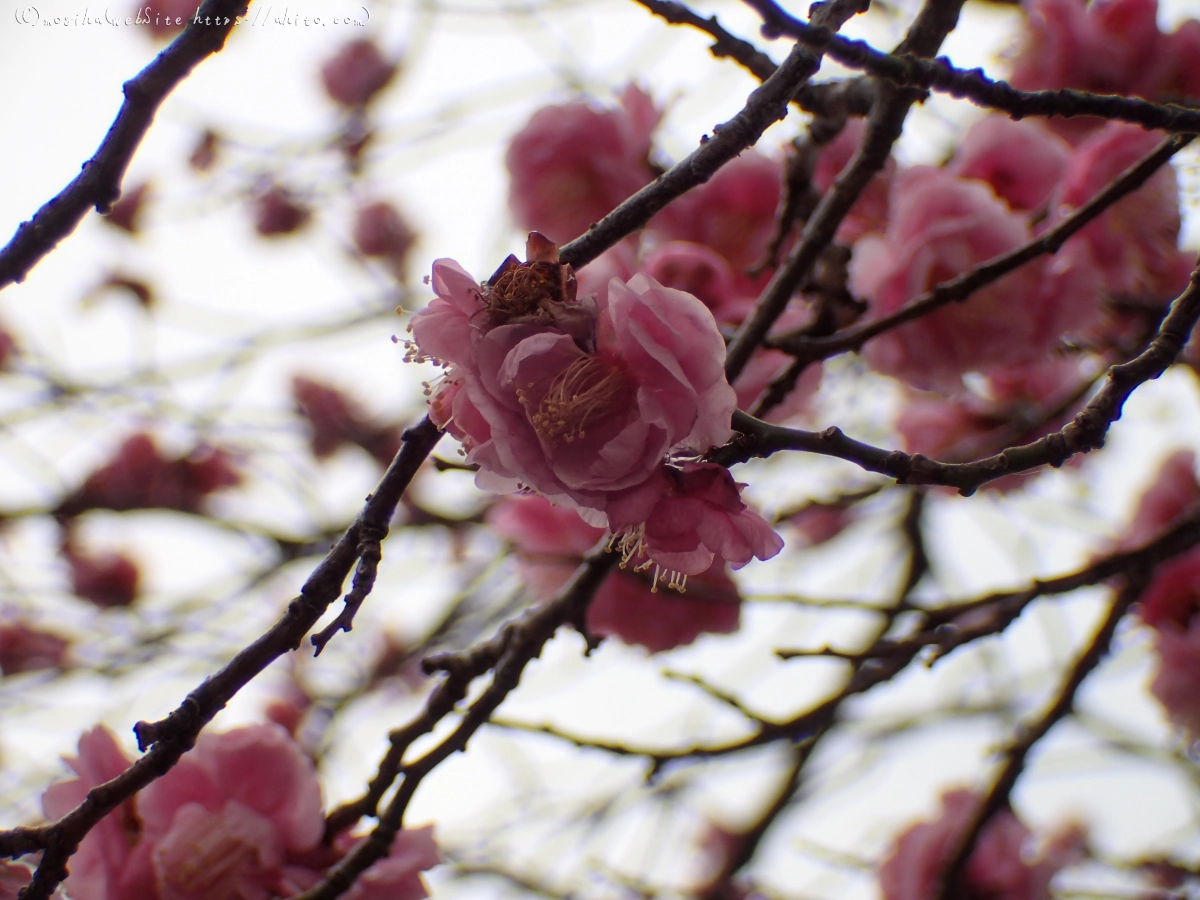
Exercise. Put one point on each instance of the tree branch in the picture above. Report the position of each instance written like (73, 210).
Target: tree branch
(99, 184)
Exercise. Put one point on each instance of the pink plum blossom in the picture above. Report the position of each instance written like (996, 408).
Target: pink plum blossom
(732, 214)
(1174, 491)
(1005, 864)
(941, 226)
(1133, 243)
(106, 866)
(572, 164)
(24, 648)
(870, 212)
(701, 272)
(1022, 161)
(684, 518)
(356, 73)
(537, 410)
(550, 542)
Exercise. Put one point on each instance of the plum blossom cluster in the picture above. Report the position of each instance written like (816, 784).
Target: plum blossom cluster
(600, 403)
(238, 817)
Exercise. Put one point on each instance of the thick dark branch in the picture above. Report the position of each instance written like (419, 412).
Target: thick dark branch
(1029, 734)
(1084, 433)
(99, 184)
(929, 29)
(765, 106)
(168, 739)
(810, 349)
(507, 654)
(974, 85)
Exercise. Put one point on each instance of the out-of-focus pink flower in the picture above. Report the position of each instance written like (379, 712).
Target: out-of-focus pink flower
(139, 477)
(870, 212)
(335, 420)
(684, 518)
(277, 212)
(1172, 599)
(106, 867)
(941, 226)
(550, 542)
(127, 211)
(1176, 684)
(820, 522)
(573, 164)
(381, 233)
(619, 261)
(733, 213)
(1005, 864)
(397, 876)
(573, 424)
(1134, 242)
(107, 580)
(766, 365)
(1022, 161)
(701, 272)
(8, 348)
(357, 73)
(27, 649)
(1109, 47)
(1174, 491)
(1178, 77)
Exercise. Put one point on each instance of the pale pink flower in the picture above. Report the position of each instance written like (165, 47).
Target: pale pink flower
(1022, 161)
(574, 425)
(733, 214)
(1134, 243)
(940, 227)
(442, 330)
(397, 875)
(683, 518)
(550, 542)
(870, 212)
(1005, 864)
(1176, 683)
(106, 866)
(572, 164)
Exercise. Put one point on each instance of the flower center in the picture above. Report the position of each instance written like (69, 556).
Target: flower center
(522, 290)
(589, 390)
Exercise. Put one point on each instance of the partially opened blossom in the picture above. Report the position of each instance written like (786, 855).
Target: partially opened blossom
(24, 648)
(1022, 161)
(942, 226)
(140, 477)
(1006, 863)
(1134, 243)
(550, 542)
(572, 164)
(380, 232)
(278, 211)
(105, 579)
(684, 518)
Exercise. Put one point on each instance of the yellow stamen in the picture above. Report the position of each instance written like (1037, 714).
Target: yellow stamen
(587, 390)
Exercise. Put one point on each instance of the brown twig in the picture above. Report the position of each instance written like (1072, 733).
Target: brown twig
(99, 184)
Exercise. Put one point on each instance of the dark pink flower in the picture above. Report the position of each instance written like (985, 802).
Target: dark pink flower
(1174, 491)
(550, 542)
(381, 233)
(277, 212)
(733, 213)
(127, 211)
(139, 477)
(684, 518)
(572, 164)
(1005, 864)
(27, 649)
(1022, 161)
(941, 226)
(870, 212)
(1176, 684)
(820, 522)
(573, 424)
(357, 73)
(107, 866)
(1134, 243)
(335, 420)
(107, 580)
(701, 272)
